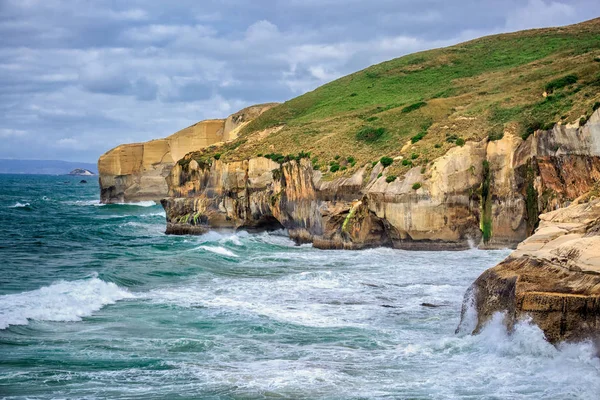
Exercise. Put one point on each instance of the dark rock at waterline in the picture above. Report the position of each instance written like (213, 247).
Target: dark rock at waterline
(431, 305)
(83, 181)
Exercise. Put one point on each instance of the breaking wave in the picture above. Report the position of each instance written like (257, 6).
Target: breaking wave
(61, 301)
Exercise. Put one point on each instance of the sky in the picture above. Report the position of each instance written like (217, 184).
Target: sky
(78, 78)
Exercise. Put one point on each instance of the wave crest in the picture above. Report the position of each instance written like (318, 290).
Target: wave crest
(61, 301)
(20, 205)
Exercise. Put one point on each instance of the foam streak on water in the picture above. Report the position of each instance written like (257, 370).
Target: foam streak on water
(96, 302)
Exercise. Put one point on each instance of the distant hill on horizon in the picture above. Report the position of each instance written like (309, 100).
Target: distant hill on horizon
(43, 167)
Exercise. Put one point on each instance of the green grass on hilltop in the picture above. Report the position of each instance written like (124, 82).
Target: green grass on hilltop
(430, 101)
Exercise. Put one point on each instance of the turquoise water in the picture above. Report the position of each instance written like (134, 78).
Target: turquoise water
(96, 302)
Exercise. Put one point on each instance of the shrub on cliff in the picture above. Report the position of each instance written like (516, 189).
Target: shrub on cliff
(390, 178)
(560, 83)
(386, 161)
(303, 154)
(413, 107)
(451, 138)
(416, 186)
(277, 157)
(496, 133)
(418, 137)
(369, 134)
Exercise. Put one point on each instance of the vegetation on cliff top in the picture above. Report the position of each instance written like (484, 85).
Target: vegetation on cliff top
(430, 101)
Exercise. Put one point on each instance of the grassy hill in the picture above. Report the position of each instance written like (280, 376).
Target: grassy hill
(420, 105)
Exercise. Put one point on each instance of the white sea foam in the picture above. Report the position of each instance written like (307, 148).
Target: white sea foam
(61, 301)
(148, 203)
(218, 250)
(156, 214)
(19, 205)
(82, 202)
(96, 203)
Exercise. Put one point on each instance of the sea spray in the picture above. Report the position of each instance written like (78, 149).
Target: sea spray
(468, 312)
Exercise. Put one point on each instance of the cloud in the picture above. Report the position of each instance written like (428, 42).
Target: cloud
(538, 13)
(11, 133)
(135, 14)
(163, 33)
(261, 30)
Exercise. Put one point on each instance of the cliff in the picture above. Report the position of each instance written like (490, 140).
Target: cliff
(553, 277)
(136, 172)
(487, 193)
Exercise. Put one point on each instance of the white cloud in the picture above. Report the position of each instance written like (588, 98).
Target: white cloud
(158, 32)
(11, 133)
(540, 13)
(129, 15)
(69, 142)
(261, 30)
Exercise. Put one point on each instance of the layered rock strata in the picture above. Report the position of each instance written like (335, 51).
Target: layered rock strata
(483, 193)
(553, 277)
(137, 172)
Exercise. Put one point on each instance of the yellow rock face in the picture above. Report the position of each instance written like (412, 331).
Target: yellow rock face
(137, 172)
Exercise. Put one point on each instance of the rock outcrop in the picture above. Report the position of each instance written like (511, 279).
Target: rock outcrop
(483, 193)
(81, 172)
(137, 172)
(553, 277)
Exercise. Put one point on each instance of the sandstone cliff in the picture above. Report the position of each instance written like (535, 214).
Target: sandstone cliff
(553, 277)
(136, 172)
(487, 193)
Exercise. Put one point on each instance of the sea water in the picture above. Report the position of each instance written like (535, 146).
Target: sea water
(96, 302)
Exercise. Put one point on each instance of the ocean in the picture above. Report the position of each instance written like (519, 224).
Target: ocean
(97, 302)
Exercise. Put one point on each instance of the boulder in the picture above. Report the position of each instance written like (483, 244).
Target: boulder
(553, 277)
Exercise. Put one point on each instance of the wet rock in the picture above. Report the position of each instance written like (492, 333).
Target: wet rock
(430, 305)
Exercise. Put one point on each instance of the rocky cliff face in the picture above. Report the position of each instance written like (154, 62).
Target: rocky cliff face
(136, 172)
(553, 277)
(483, 193)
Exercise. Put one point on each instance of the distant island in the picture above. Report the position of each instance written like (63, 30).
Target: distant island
(81, 172)
(45, 167)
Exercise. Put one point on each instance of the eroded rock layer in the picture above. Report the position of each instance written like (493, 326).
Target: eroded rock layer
(137, 172)
(553, 277)
(483, 193)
